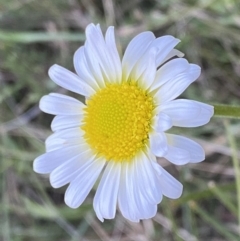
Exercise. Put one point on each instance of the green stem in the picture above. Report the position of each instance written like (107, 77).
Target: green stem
(236, 166)
(227, 111)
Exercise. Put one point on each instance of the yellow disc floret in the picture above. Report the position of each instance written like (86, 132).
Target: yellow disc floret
(117, 121)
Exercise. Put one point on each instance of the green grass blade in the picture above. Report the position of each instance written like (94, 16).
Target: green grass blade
(207, 217)
(236, 166)
(33, 37)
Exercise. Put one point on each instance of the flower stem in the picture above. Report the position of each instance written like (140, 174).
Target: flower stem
(227, 111)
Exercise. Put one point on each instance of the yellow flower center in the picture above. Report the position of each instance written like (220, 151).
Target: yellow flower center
(117, 121)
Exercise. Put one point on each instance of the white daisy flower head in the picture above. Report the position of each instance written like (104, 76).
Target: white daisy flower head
(120, 130)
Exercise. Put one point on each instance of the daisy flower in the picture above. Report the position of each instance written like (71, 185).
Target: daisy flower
(119, 132)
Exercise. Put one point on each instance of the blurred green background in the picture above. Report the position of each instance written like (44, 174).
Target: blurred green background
(36, 34)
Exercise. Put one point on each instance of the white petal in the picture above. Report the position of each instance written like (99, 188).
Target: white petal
(69, 81)
(134, 51)
(66, 137)
(177, 155)
(158, 144)
(173, 88)
(145, 209)
(70, 169)
(57, 104)
(148, 180)
(172, 54)
(47, 162)
(140, 207)
(80, 187)
(169, 71)
(137, 198)
(170, 187)
(67, 134)
(100, 51)
(180, 109)
(61, 122)
(162, 122)
(196, 151)
(111, 45)
(83, 69)
(125, 196)
(187, 113)
(203, 118)
(105, 199)
(145, 69)
(93, 65)
(164, 44)
(54, 144)
(59, 143)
